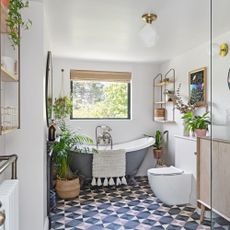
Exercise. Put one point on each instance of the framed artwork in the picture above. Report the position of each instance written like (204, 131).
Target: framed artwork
(197, 86)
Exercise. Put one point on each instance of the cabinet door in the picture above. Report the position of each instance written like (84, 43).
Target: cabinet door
(220, 179)
(204, 171)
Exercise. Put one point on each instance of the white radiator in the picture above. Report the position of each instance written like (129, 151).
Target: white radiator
(9, 200)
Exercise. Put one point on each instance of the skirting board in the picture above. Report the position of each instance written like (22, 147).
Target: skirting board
(46, 224)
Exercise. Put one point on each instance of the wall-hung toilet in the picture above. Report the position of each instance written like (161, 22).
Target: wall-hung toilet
(171, 185)
(175, 185)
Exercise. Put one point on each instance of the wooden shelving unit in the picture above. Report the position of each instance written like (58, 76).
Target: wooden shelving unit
(163, 91)
(9, 80)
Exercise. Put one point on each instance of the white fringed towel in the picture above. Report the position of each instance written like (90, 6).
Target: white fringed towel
(109, 164)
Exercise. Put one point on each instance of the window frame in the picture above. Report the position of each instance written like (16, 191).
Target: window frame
(129, 106)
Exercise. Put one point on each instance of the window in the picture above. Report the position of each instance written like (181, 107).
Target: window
(100, 95)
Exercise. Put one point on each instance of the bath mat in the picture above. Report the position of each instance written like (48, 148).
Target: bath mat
(109, 165)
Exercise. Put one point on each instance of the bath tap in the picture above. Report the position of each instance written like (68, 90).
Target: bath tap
(104, 137)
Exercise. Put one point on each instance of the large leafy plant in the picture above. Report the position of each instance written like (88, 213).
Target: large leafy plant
(61, 148)
(196, 122)
(15, 20)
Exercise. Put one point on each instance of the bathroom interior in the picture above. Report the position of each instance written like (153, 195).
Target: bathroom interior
(115, 115)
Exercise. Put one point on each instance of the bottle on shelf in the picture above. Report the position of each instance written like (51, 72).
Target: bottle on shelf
(52, 131)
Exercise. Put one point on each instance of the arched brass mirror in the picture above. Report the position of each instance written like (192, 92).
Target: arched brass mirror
(49, 88)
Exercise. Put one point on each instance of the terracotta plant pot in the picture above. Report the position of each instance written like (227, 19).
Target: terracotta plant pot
(157, 153)
(68, 189)
(200, 132)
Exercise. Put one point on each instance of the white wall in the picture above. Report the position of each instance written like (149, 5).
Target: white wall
(191, 60)
(29, 141)
(141, 99)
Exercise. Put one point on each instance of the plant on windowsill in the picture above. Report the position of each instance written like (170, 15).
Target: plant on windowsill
(15, 20)
(197, 124)
(67, 182)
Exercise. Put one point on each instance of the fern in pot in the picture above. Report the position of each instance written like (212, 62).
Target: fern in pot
(67, 182)
(197, 124)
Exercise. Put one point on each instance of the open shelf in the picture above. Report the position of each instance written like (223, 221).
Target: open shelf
(164, 83)
(8, 77)
(8, 130)
(160, 102)
(164, 121)
(4, 27)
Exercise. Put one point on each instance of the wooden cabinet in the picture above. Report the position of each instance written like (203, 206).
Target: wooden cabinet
(9, 80)
(163, 92)
(213, 173)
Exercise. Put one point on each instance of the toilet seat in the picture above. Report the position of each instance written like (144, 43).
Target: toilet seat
(165, 171)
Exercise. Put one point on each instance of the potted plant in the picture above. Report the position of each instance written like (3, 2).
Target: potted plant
(158, 151)
(197, 124)
(14, 20)
(62, 107)
(67, 182)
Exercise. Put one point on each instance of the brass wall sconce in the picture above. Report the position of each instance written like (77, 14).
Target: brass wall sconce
(221, 49)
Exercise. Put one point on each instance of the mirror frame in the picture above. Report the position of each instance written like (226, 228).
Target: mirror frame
(49, 80)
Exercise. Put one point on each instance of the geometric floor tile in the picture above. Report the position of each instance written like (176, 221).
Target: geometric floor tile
(127, 207)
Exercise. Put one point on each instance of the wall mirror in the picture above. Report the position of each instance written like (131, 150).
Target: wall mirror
(49, 88)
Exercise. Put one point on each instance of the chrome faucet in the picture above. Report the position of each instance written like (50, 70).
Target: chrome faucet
(102, 134)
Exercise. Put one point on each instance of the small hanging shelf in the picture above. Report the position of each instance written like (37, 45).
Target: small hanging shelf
(163, 92)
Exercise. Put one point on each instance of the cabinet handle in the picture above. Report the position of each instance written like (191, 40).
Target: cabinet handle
(2, 217)
(195, 153)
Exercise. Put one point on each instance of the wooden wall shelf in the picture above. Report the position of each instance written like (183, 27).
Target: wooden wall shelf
(163, 92)
(8, 77)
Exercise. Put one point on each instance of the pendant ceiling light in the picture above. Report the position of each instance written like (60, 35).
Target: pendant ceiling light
(148, 34)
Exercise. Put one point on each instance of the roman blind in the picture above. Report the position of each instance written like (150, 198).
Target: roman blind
(84, 75)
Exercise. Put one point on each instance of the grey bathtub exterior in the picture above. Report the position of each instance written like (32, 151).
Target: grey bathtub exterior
(82, 163)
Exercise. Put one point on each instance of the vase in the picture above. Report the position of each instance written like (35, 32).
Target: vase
(185, 131)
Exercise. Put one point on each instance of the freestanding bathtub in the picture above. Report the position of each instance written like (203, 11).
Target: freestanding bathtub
(135, 154)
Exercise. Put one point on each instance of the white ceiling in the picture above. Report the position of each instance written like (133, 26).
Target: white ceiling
(108, 29)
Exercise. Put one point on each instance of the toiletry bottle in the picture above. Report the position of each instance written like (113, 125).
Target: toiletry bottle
(52, 131)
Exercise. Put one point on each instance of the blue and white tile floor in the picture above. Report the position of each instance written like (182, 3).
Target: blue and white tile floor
(127, 207)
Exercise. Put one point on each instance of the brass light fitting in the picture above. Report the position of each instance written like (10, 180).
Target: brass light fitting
(223, 49)
(149, 17)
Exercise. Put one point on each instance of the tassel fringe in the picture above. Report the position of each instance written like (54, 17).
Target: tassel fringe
(93, 183)
(123, 180)
(118, 181)
(106, 182)
(111, 181)
(99, 182)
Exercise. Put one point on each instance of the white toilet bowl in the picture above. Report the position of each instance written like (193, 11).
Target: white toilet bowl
(171, 185)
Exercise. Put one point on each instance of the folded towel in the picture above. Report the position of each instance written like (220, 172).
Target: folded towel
(109, 164)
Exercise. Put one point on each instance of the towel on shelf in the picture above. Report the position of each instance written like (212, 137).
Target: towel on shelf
(109, 164)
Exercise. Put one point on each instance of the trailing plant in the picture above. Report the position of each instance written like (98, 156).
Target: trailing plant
(62, 107)
(15, 20)
(196, 122)
(68, 139)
